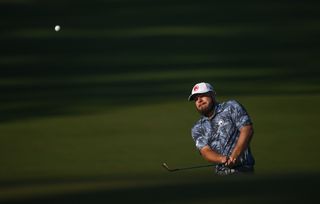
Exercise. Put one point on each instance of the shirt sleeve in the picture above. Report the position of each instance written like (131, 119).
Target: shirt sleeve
(240, 115)
(198, 136)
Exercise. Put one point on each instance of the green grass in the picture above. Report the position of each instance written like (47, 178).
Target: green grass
(123, 149)
(124, 140)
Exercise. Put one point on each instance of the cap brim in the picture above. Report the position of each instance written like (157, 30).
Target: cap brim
(192, 95)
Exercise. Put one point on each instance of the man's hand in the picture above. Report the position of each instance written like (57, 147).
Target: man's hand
(231, 162)
(224, 160)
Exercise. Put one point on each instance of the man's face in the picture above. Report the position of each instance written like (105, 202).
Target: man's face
(204, 104)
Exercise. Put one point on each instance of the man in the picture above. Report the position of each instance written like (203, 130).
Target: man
(223, 133)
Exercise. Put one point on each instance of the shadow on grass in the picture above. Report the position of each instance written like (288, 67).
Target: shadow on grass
(102, 38)
(294, 188)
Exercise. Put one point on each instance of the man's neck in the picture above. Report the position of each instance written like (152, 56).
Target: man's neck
(211, 115)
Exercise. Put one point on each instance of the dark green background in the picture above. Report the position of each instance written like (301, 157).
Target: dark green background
(88, 114)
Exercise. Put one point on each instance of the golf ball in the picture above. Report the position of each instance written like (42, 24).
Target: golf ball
(57, 28)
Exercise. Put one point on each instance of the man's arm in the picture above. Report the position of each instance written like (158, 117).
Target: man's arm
(212, 156)
(245, 136)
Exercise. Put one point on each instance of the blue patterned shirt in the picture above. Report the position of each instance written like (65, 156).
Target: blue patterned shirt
(222, 131)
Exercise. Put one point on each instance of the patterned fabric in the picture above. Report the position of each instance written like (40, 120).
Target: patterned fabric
(221, 133)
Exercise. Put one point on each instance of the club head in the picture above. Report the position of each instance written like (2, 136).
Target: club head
(167, 167)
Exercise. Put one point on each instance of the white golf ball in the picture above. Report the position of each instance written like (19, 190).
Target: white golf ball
(57, 28)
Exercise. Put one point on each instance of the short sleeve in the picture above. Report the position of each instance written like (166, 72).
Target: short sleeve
(198, 136)
(239, 115)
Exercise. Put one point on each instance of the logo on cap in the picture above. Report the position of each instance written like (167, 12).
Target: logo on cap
(196, 88)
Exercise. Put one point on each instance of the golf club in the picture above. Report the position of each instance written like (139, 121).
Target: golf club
(184, 168)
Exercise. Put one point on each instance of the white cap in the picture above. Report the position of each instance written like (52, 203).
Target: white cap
(200, 88)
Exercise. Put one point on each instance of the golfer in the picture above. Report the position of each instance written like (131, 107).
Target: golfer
(223, 133)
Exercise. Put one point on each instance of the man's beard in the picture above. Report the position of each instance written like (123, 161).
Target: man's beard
(206, 110)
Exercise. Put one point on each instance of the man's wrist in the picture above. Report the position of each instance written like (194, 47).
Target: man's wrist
(224, 159)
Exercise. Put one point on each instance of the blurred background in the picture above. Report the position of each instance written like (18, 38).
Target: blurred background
(88, 114)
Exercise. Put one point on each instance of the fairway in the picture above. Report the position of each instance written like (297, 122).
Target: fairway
(104, 155)
(90, 113)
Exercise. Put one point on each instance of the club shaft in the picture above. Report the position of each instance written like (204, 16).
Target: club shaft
(194, 167)
(185, 168)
